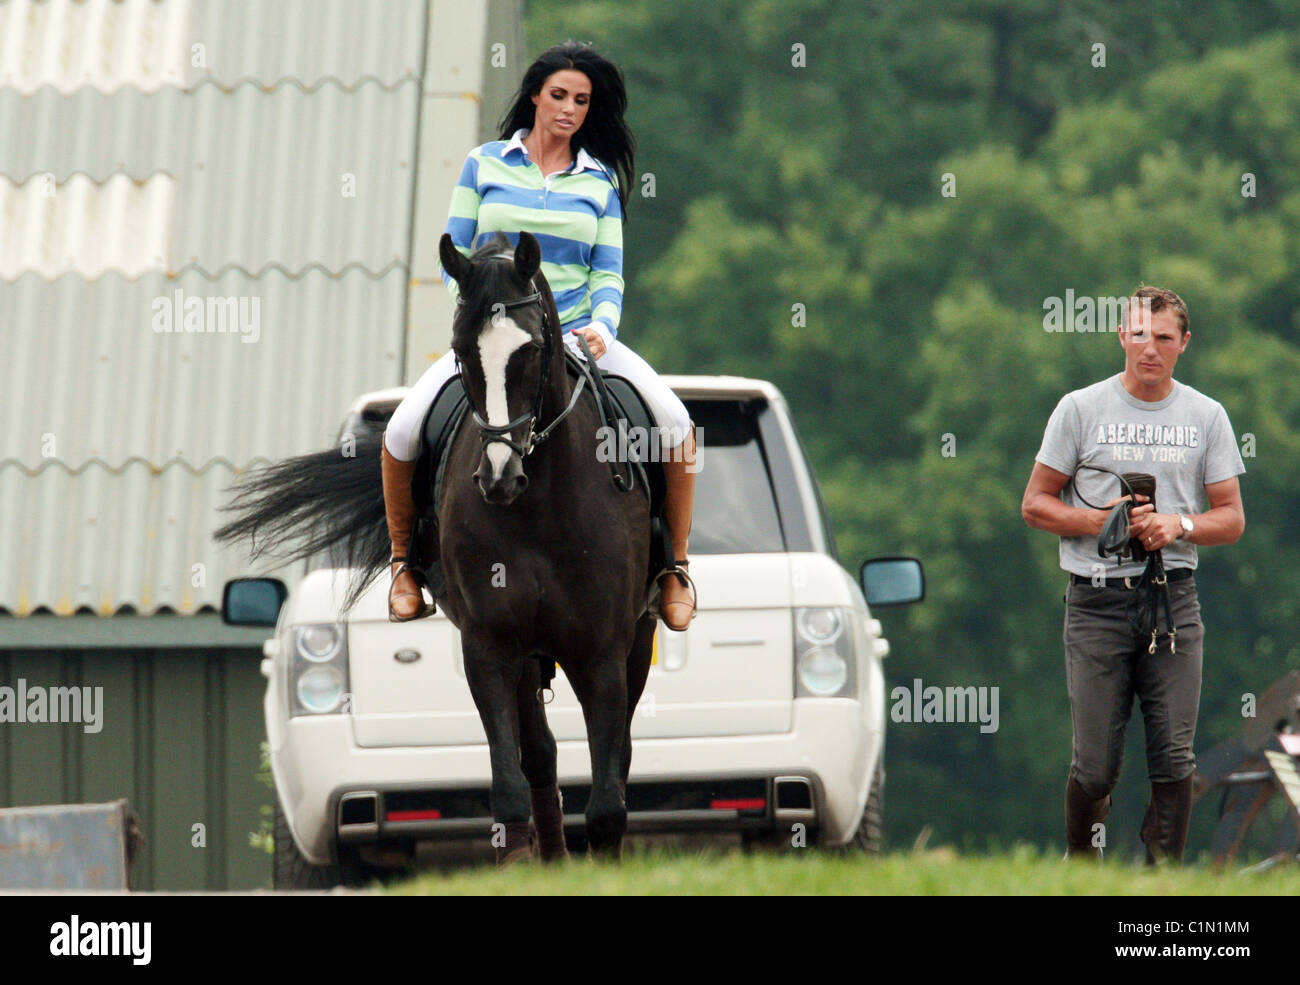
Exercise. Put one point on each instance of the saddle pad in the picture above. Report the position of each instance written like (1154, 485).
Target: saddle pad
(630, 405)
(440, 424)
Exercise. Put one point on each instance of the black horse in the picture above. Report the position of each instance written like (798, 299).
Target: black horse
(544, 558)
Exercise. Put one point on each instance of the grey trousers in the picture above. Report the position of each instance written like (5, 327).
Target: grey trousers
(1107, 665)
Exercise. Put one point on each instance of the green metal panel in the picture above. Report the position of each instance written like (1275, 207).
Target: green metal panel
(181, 729)
(244, 733)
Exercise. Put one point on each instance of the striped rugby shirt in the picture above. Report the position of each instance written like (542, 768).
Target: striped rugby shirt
(575, 214)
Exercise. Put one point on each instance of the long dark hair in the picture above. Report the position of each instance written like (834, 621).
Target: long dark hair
(604, 135)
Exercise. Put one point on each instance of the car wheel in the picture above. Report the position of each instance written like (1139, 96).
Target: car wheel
(870, 836)
(289, 869)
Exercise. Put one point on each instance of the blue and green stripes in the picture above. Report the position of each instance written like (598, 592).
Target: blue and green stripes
(576, 216)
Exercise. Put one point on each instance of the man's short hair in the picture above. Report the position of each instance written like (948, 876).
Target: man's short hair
(1155, 300)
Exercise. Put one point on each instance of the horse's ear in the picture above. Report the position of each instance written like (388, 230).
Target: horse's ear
(453, 261)
(528, 256)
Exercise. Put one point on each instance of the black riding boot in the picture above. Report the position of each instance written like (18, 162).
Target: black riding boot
(1168, 816)
(1081, 813)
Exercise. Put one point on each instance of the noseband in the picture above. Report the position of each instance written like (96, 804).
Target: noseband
(489, 433)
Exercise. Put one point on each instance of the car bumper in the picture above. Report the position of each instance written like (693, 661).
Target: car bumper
(830, 746)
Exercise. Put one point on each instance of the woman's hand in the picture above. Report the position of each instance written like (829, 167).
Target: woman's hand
(595, 341)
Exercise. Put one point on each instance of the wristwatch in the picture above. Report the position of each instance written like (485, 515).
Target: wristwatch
(1188, 526)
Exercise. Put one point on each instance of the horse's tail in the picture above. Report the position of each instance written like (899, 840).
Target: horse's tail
(325, 502)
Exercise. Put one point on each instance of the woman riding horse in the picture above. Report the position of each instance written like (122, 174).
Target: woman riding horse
(548, 175)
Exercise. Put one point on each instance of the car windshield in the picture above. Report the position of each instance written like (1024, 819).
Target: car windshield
(735, 509)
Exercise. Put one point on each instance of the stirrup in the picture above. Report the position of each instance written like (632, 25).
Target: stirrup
(425, 608)
(679, 570)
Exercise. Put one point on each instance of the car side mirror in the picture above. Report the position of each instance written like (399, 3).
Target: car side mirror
(892, 581)
(252, 601)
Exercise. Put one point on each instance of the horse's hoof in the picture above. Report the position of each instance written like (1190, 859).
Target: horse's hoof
(507, 858)
(517, 846)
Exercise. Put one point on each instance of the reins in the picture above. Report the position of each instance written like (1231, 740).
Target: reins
(1114, 542)
(503, 433)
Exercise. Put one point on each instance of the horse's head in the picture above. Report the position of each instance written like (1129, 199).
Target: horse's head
(502, 337)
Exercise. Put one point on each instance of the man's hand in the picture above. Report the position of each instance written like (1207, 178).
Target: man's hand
(1042, 507)
(1155, 530)
(1137, 498)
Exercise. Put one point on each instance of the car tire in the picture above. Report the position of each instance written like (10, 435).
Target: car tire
(870, 836)
(290, 870)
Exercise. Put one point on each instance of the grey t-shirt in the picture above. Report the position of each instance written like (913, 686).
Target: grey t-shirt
(1185, 441)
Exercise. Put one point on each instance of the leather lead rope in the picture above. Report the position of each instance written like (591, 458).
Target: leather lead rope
(1153, 580)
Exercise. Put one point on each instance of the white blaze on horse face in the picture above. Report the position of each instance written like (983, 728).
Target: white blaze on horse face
(500, 339)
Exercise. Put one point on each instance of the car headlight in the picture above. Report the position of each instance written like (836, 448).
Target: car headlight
(823, 671)
(820, 625)
(319, 642)
(318, 669)
(824, 658)
(320, 689)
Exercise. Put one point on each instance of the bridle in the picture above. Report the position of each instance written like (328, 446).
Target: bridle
(503, 433)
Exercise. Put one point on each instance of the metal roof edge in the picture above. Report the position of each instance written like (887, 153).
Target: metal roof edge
(222, 271)
(82, 630)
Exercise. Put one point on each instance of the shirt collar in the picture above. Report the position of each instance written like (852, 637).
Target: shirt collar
(585, 161)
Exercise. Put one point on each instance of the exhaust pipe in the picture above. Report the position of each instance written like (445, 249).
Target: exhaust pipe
(792, 799)
(359, 815)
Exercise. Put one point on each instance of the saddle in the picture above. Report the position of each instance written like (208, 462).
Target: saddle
(634, 466)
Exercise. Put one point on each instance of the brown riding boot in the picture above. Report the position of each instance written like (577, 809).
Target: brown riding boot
(1168, 816)
(1081, 813)
(405, 600)
(676, 591)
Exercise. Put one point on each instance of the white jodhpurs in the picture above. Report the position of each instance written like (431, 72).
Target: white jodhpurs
(402, 438)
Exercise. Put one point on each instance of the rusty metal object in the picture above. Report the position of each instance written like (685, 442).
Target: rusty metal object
(1254, 767)
(68, 846)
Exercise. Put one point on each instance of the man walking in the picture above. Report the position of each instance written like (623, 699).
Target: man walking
(1128, 630)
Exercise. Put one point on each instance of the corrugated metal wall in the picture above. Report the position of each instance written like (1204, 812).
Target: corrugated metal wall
(285, 135)
(293, 155)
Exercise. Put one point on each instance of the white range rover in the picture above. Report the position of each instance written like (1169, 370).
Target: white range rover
(765, 718)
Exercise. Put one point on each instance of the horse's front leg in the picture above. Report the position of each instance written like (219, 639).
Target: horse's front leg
(601, 686)
(537, 755)
(493, 669)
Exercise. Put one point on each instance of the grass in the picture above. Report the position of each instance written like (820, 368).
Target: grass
(1023, 871)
